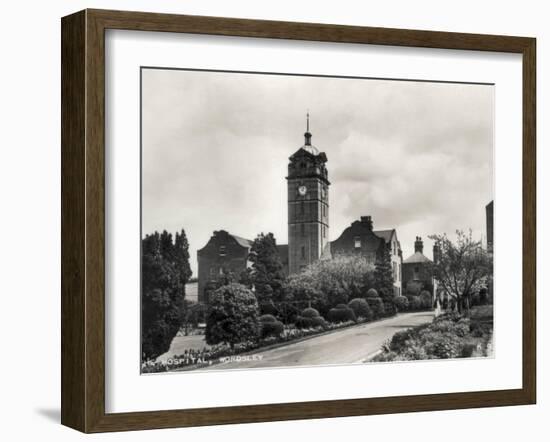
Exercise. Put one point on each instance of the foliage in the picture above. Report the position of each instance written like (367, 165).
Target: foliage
(302, 322)
(341, 313)
(376, 306)
(414, 303)
(165, 270)
(372, 293)
(448, 336)
(270, 326)
(361, 308)
(309, 313)
(383, 273)
(426, 300)
(267, 273)
(326, 283)
(267, 318)
(194, 314)
(268, 308)
(233, 316)
(413, 288)
(464, 267)
(402, 303)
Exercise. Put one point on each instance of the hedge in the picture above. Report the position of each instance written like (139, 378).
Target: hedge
(341, 314)
(361, 308)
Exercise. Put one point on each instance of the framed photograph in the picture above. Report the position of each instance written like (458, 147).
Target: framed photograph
(266, 220)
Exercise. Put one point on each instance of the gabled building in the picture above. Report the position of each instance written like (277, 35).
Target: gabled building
(227, 253)
(360, 238)
(418, 268)
(390, 238)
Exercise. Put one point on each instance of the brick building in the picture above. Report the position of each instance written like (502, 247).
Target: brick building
(308, 228)
(360, 238)
(308, 206)
(226, 253)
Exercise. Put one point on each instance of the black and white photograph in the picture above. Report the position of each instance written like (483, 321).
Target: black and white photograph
(293, 220)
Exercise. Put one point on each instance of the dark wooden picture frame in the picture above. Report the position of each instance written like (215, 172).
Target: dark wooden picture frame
(83, 220)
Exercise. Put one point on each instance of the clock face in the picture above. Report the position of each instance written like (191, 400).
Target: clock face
(302, 190)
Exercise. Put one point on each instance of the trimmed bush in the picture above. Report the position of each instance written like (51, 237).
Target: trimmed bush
(341, 314)
(267, 318)
(401, 302)
(389, 307)
(414, 303)
(272, 328)
(361, 308)
(376, 306)
(233, 316)
(309, 313)
(426, 300)
(305, 322)
(372, 293)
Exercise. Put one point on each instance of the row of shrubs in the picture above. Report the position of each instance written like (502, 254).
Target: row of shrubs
(413, 303)
(357, 310)
(448, 336)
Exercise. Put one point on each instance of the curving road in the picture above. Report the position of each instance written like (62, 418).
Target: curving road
(351, 345)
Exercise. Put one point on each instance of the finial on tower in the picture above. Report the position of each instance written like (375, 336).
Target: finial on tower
(307, 135)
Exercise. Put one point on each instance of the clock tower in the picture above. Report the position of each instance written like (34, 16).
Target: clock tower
(308, 204)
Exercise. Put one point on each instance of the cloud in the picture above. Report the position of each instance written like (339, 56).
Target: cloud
(417, 156)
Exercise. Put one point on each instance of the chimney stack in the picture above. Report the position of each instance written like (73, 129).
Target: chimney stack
(418, 245)
(437, 252)
(367, 220)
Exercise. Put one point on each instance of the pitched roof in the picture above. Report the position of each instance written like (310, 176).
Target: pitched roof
(241, 241)
(385, 234)
(417, 258)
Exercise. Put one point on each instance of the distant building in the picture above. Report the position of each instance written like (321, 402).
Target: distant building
(360, 238)
(418, 269)
(227, 253)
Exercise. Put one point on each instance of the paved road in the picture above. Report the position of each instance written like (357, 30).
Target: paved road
(351, 345)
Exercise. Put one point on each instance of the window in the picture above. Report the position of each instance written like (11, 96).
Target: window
(222, 251)
(394, 248)
(302, 207)
(302, 229)
(357, 242)
(303, 252)
(394, 271)
(324, 231)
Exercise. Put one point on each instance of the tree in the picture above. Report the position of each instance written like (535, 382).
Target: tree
(165, 270)
(327, 283)
(233, 316)
(267, 273)
(463, 269)
(383, 273)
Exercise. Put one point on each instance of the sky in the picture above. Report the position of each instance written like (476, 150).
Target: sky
(416, 156)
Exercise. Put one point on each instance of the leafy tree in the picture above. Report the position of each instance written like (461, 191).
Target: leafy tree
(165, 270)
(327, 283)
(383, 273)
(463, 269)
(233, 316)
(267, 273)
